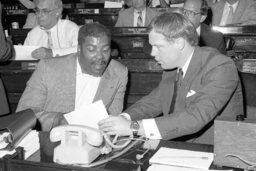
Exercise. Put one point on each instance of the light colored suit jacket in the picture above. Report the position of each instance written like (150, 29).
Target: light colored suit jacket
(211, 87)
(126, 17)
(51, 89)
(244, 14)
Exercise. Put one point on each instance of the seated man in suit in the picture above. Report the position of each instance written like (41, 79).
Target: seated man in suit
(53, 35)
(5, 54)
(196, 11)
(61, 85)
(139, 15)
(198, 84)
(242, 12)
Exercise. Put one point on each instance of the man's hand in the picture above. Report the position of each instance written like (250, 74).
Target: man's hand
(42, 52)
(116, 125)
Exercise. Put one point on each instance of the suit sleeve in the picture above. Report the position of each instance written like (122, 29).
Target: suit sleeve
(218, 86)
(116, 106)
(34, 95)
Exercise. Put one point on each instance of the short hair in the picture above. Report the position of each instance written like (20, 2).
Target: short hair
(204, 7)
(173, 25)
(92, 30)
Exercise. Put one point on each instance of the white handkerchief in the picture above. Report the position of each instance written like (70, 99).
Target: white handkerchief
(190, 93)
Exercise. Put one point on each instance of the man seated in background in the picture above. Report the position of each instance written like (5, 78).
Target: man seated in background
(139, 15)
(242, 12)
(198, 84)
(5, 54)
(54, 36)
(64, 84)
(196, 11)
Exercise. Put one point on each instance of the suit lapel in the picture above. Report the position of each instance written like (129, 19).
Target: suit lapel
(106, 87)
(193, 69)
(239, 11)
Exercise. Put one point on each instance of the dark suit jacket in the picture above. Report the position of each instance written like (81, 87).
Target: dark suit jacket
(5, 53)
(245, 12)
(217, 91)
(126, 17)
(52, 89)
(211, 38)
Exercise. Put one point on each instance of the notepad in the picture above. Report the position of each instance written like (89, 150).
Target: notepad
(183, 158)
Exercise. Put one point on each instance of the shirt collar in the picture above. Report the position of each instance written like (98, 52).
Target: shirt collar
(143, 11)
(234, 5)
(185, 66)
(198, 30)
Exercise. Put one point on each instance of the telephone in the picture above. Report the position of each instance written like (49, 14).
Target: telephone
(79, 144)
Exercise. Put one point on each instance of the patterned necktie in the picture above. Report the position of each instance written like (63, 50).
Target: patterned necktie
(177, 84)
(49, 40)
(230, 15)
(139, 20)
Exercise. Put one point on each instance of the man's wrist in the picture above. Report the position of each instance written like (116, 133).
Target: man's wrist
(135, 126)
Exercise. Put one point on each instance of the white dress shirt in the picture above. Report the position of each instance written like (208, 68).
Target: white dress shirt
(226, 12)
(150, 127)
(64, 37)
(86, 88)
(136, 15)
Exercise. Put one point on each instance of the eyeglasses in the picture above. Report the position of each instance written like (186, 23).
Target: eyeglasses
(190, 13)
(43, 11)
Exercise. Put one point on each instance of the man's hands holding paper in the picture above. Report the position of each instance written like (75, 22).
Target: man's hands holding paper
(116, 125)
(42, 52)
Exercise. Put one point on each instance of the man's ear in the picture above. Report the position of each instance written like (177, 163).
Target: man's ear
(180, 43)
(203, 17)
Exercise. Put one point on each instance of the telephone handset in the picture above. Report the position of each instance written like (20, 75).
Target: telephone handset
(79, 144)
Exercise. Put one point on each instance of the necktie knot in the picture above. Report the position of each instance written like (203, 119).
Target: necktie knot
(139, 20)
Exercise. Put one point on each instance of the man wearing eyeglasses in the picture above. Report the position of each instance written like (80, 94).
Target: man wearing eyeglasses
(196, 11)
(54, 36)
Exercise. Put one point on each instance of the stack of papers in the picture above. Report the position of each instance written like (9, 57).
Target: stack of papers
(30, 144)
(169, 158)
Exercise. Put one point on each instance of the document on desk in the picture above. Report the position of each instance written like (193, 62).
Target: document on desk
(182, 158)
(156, 167)
(24, 52)
(88, 115)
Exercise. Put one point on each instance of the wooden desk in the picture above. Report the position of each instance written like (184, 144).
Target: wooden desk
(21, 165)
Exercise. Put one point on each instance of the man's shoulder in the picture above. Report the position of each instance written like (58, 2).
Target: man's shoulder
(36, 30)
(126, 11)
(66, 22)
(217, 5)
(117, 68)
(212, 56)
(59, 61)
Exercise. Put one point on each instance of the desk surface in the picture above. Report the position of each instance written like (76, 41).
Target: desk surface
(129, 157)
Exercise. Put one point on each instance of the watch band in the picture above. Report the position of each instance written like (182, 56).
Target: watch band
(135, 127)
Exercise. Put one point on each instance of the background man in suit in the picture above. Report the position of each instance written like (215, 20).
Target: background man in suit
(139, 15)
(5, 53)
(202, 84)
(54, 36)
(196, 11)
(234, 12)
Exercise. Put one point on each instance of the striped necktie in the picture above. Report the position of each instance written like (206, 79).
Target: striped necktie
(177, 84)
(139, 20)
(49, 40)
(230, 15)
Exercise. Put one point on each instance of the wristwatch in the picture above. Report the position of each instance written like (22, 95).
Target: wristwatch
(135, 127)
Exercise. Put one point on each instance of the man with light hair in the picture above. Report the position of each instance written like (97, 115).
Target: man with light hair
(53, 35)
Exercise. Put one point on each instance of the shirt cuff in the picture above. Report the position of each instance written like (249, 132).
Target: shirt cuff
(151, 130)
(126, 116)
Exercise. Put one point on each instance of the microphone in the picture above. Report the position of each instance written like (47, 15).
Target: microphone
(140, 156)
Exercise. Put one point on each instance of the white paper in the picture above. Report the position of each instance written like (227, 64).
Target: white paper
(88, 115)
(156, 167)
(24, 52)
(111, 4)
(30, 144)
(185, 158)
